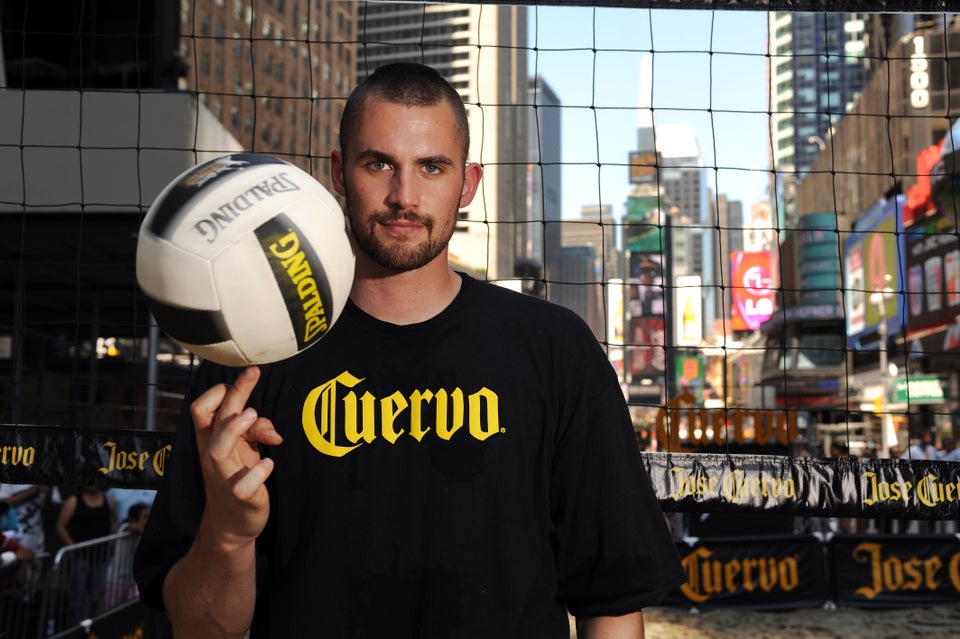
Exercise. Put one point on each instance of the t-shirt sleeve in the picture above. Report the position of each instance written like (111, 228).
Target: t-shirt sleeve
(178, 506)
(615, 554)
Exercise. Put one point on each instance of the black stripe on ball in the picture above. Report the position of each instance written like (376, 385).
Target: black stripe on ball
(300, 277)
(201, 175)
(187, 325)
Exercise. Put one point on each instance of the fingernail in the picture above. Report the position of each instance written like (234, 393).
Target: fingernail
(248, 414)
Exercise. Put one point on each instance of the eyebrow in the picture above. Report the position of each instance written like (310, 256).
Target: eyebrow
(373, 154)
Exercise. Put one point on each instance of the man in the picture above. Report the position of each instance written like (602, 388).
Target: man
(924, 448)
(452, 460)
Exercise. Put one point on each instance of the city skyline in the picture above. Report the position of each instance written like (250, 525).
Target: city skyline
(719, 55)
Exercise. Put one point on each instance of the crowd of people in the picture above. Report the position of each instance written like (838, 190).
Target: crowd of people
(37, 521)
(924, 448)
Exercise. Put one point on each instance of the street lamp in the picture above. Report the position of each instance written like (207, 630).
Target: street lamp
(888, 433)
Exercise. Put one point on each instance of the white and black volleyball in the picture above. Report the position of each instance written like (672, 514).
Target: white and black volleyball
(245, 259)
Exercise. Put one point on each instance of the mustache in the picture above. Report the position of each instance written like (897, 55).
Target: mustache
(404, 216)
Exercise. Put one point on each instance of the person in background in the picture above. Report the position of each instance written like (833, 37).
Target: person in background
(924, 448)
(9, 523)
(840, 450)
(86, 516)
(453, 459)
(12, 553)
(121, 586)
(950, 452)
(51, 513)
(124, 498)
(29, 502)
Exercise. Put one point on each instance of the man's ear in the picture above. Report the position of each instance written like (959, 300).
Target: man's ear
(471, 182)
(336, 172)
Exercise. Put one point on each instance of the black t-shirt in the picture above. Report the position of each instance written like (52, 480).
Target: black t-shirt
(90, 522)
(474, 475)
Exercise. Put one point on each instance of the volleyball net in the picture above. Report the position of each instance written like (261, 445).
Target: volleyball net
(752, 208)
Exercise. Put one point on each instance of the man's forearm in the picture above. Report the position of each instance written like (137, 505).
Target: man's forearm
(629, 626)
(210, 593)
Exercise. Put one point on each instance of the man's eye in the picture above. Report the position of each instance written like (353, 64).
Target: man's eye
(379, 165)
(431, 168)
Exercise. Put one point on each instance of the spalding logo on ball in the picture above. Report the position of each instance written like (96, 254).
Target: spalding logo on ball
(245, 260)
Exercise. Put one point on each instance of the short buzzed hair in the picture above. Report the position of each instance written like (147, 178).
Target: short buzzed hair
(408, 84)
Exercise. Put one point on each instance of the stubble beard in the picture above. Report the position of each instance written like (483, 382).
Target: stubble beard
(398, 255)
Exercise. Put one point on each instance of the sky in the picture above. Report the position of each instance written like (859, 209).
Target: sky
(709, 69)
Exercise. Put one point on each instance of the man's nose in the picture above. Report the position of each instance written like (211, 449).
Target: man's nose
(403, 189)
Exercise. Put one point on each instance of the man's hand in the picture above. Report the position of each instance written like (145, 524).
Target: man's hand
(228, 434)
(211, 593)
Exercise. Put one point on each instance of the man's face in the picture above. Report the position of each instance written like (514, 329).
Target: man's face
(404, 180)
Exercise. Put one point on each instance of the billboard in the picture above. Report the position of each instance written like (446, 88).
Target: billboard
(647, 347)
(933, 273)
(615, 323)
(752, 289)
(760, 232)
(688, 318)
(872, 263)
(690, 371)
(645, 285)
(644, 225)
(644, 167)
(646, 336)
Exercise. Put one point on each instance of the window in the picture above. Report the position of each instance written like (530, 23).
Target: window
(819, 351)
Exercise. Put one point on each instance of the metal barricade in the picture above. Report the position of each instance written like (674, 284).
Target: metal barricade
(21, 593)
(86, 580)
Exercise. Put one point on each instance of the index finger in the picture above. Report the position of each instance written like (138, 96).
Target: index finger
(238, 394)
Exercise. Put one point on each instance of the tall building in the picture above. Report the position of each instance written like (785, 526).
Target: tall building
(481, 50)
(596, 228)
(274, 72)
(538, 239)
(684, 180)
(579, 287)
(681, 177)
(589, 258)
(730, 221)
(913, 85)
(818, 68)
